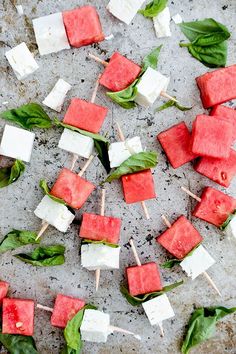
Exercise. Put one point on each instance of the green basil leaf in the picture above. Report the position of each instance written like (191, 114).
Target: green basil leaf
(202, 325)
(171, 263)
(11, 174)
(17, 238)
(151, 60)
(112, 245)
(43, 185)
(214, 56)
(153, 8)
(17, 344)
(227, 221)
(28, 116)
(138, 300)
(101, 144)
(125, 98)
(135, 163)
(72, 332)
(45, 256)
(172, 103)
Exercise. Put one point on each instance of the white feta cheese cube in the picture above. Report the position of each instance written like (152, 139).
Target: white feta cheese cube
(20, 10)
(230, 230)
(158, 309)
(95, 326)
(21, 61)
(17, 143)
(177, 19)
(54, 213)
(162, 23)
(150, 86)
(76, 143)
(98, 256)
(124, 10)
(120, 151)
(197, 263)
(50, 33)
(57, 96)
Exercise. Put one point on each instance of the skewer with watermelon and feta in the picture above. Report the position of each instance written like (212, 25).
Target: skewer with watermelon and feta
(100, 234)
(131, 84)
(215, 207)
(133, 166)
(94, 325)
(145, 288)
(183, 241)
(69, 190)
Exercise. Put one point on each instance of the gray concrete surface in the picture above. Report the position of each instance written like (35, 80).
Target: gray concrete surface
(19, 200)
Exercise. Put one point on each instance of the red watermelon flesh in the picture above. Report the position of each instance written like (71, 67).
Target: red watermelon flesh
(217, 86)
(138, 187)
(143, 279)
(226, 113)
(176, 144)
(65, 308)
(221, 171)
(73, 189)
(215, 206)
(180, 238)
(119, 73)
(211, 136)
(100, 228)
(83, 26)
(18, 316)
(3, 290)
(85, 115)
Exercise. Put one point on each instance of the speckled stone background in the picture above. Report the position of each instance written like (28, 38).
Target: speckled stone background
(18, 201)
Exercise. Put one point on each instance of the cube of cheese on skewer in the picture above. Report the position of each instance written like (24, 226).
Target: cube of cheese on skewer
(150, 86)
(197, 263)
(225, 113)
(230, 229)
(124, 10)
(214, 207)
(85, 115)
(100, 228)
(4, 286)
(65, 308)
(162, 23)
(120, 151)
(158, 309)
(21, 61)
(18, 317)
(76, 143)
(17, 143)
(54, 213)
(57, 96)
(73, 189)
(50, 34)
(83, 26)
(99, 256)
(95, 326)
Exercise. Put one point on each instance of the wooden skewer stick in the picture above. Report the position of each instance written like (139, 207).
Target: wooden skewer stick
(105, 63)
(98, 271)
(135, 253)
(191, 194)
(121, 330)
(207, 276)
(122, 138)
(45, 308)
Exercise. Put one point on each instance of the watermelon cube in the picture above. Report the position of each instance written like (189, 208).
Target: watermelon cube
(180, 238)
(143, 279)
(119, 73)
(226, 113)
(100, 228)
(73, 189)
(138, 187)
(18, 316)
(176, 144)
(65, 308)
(3, 290)
(85, 115)
(215, 206)
(83, 26)
(211, 136)
(218, 86)
(221, 171)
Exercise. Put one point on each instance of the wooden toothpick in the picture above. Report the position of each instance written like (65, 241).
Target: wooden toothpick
(121, 330)
(191, 194)
(45, 308)
(98, 271)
